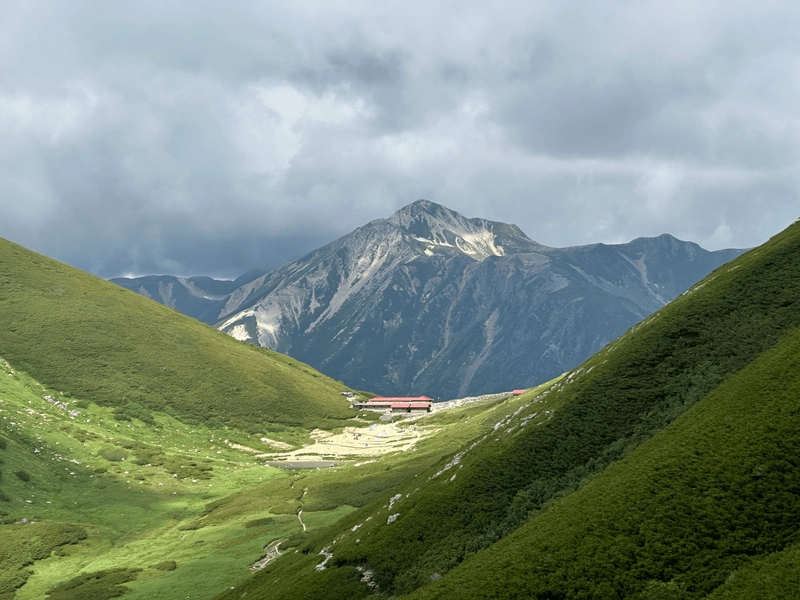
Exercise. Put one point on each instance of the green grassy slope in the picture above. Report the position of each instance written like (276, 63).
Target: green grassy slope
(685, 513)
(91, 506)
(162, 511)
(90, 338)
(564, 439)
(64, 487)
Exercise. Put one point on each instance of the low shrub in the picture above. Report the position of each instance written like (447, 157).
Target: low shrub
(167, 565)
(259, 522)
(286, 508)
(23, 476)
(151, 456)
(113, 454)
(99, 585)
(186, 468)
(134, 410)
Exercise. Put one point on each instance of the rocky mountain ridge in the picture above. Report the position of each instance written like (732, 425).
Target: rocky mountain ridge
(428, 301)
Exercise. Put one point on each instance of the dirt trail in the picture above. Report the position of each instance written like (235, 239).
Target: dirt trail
(271, 552)
(300, 512)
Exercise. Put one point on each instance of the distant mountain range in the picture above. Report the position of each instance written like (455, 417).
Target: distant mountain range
(430, 302)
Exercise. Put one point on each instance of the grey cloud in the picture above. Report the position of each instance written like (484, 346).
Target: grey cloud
(197, 138)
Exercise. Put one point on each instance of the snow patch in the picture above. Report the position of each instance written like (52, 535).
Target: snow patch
(239, 332)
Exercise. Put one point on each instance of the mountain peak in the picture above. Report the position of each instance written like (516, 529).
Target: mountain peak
(439, 228)
(425, 211)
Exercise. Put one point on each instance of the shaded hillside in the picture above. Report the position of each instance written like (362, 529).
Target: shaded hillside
(86, 336)
(683, 513)
(569, 499)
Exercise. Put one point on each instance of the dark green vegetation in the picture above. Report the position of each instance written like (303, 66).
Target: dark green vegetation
(665, 467)
(94, 586)
(93, 340)
(685, 511)
(21, 546)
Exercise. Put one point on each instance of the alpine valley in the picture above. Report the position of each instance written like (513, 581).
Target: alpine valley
(430, 302)
(147, 455)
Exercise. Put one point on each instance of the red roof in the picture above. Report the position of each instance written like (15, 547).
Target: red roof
(518, 392)
(402, 399)
(411, 405)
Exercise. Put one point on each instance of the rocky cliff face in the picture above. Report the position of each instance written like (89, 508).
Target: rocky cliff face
(430, 302)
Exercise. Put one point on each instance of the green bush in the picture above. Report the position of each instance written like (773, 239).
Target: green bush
(100, 585)
(150, 456)
(113, 454)
(134, 410)
(185, 468)
(20, 546)
(167, 565)
(259, 522)
(3, 443)
(23, 476)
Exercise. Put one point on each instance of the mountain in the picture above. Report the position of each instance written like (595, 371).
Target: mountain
(430, 302)
(92, 339)
(665, 466)
(201, 298)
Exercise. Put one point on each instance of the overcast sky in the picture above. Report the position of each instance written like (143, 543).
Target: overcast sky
(213, 137)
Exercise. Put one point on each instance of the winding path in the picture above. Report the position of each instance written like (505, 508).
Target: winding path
(300, 512)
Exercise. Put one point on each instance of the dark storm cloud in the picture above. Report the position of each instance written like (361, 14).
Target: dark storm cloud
(202, 138)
